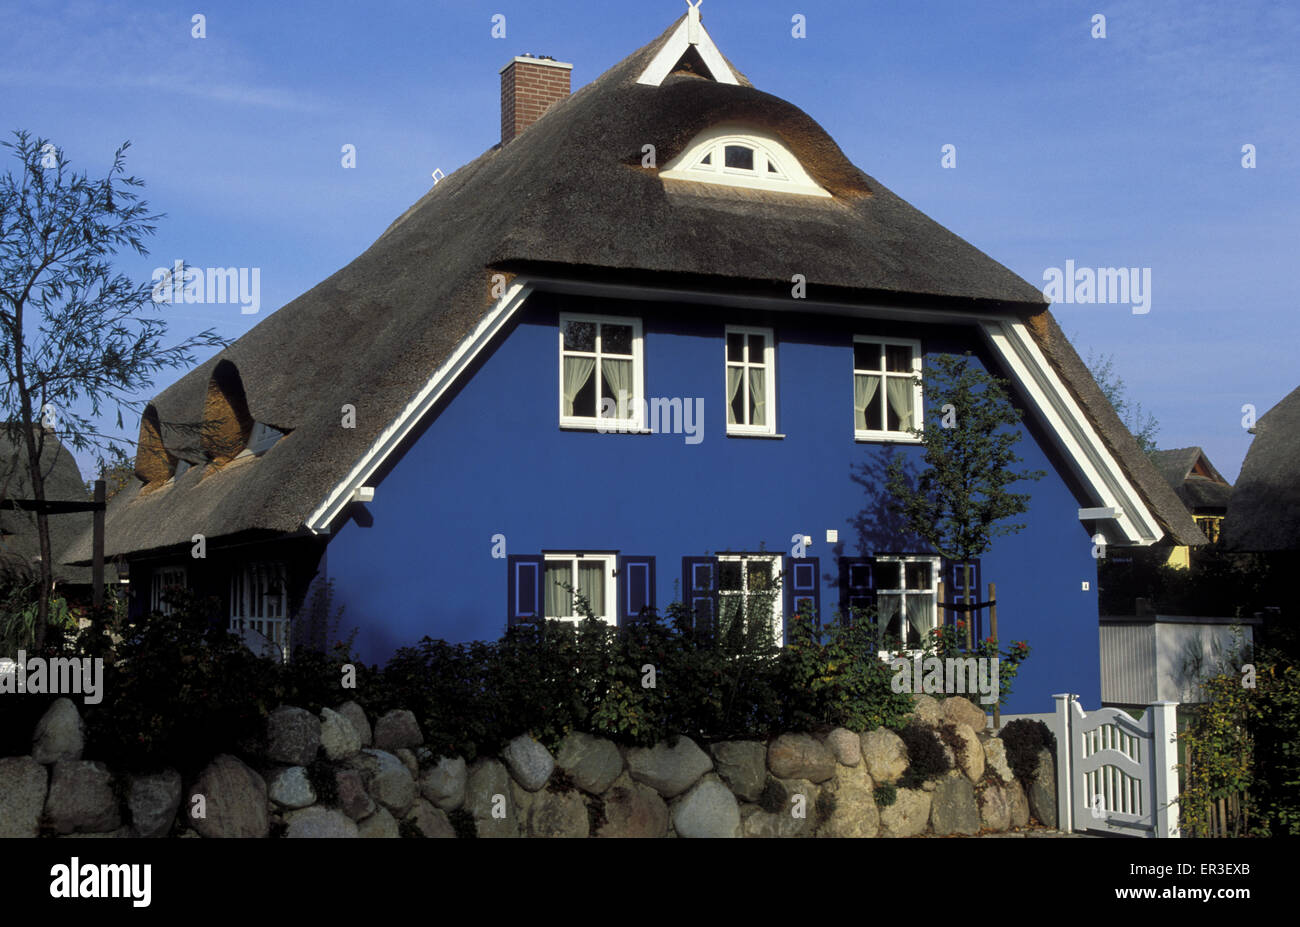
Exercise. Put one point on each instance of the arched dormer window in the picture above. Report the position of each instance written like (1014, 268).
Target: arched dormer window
(226, 421)
(153, 463)
(739, 156)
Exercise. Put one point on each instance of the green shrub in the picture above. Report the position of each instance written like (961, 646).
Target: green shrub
(462, 822)
(926, 759)
(886, 794)
(1023, 738)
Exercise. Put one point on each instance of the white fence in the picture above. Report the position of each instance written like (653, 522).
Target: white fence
(1115, 774)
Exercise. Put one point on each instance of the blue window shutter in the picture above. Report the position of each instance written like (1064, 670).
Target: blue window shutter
(957, 594)
(524, 586)
(857, 584)
(802, 586)
(636, 587)
(700, 590)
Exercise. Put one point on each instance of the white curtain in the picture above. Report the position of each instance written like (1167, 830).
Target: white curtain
(559, 604)
(734, 376)
(864, 390)
(577, 371)
(758, 394)
(899, 392)
(618, 377)
(591, 584)
(887, 615)
(918, 617)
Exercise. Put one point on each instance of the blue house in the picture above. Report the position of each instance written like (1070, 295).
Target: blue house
(658, 344)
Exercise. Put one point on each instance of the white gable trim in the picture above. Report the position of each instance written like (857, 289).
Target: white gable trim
(443, 378)
(676, 46)
(1092, 462)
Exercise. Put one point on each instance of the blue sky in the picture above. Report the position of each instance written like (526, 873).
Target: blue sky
(1115, 152)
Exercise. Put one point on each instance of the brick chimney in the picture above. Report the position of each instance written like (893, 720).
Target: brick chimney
(528, 88)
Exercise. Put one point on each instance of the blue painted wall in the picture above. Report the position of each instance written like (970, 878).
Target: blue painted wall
(494, 461)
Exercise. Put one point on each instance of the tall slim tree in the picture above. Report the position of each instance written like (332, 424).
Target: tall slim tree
(75, 335)
(960, 501)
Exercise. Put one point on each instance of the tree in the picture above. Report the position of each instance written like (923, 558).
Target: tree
(1143, 425)
(74, 336)
(960, 501)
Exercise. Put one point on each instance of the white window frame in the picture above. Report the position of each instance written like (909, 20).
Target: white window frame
(904, 591)
(769, 366)
(634, 422)
(918, 394)
(789, 177)
(609, 560)
(264, 612)
(164, 578)
(778, 600)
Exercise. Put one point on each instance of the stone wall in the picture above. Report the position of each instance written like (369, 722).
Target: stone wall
(379, 780)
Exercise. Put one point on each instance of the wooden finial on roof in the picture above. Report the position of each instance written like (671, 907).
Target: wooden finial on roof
(693, 22)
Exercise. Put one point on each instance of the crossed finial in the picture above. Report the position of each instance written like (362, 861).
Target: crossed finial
(693, 21)
(695, 5)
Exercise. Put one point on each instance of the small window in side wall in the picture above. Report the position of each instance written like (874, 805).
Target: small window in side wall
(165, 583)
(887, 395)
(259, 604)
(750, 364)
(601, 372)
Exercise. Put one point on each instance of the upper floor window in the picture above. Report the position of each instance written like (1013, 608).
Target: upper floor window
(742, 156)
(601, 371)
(751, 381)
(886, 388)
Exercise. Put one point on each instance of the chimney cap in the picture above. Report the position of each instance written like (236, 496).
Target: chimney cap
(546, 60)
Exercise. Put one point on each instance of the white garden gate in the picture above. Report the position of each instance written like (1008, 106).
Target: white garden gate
(1115, 774)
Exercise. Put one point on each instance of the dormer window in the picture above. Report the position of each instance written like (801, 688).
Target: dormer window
(739, 156)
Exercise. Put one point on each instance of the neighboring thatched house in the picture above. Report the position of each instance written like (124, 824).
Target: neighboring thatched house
(20, 546)
(1264, 514)
(424, 428)
(1201, 488)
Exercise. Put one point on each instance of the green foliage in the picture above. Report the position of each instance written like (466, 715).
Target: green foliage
(1023, 738)
(773, 798)
(886, 794)
(951, 642)
(462, 822)
(960, 500)
(1143, 425)
(323, 782)
(926, 759)
(1241, 744)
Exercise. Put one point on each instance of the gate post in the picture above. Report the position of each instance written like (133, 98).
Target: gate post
(1164, 766)
(1064, 798)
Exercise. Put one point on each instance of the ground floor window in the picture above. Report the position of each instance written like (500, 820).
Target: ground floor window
(749, 599)
(259, 603)
(571, 577)
(165, 583)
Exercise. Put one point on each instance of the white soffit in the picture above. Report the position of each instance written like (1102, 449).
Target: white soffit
(689, 32)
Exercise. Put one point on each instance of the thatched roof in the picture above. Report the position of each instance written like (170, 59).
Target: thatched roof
(1264, 513)
(20, 544)
(1204, 491)
(568, 196)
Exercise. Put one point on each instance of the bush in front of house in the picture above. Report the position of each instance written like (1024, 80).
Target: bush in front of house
(1024, 738)
(179, 688)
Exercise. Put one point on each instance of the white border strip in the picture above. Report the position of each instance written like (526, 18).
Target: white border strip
(320, 520)
(1093, 463)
